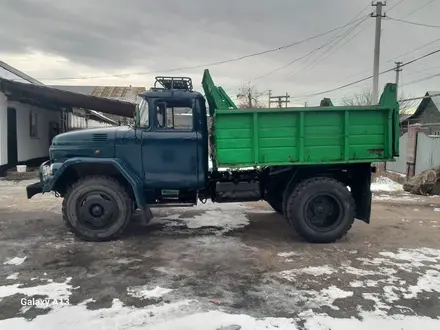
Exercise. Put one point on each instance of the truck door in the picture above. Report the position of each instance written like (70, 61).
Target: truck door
(169, 149)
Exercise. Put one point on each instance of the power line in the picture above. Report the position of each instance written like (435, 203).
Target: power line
(301, 57)
(419, 98)
(422, 71)
(316, 63)
(369, 77)
(419, 8)
(208, 64)
(334, 40)
(392, 7)
(422, 79)
(396, 58)
(414, 23)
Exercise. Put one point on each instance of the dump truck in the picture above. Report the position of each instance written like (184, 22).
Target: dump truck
(312, 165)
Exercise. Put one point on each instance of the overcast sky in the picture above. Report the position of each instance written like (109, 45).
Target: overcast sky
(51, 39)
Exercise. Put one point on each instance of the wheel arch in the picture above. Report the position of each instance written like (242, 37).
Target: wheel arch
(356, 176)
(76, 168)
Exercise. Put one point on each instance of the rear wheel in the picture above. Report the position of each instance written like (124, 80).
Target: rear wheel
(97, 208)
(321, 210)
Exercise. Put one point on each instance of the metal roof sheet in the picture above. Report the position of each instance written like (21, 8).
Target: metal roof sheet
(120, 93)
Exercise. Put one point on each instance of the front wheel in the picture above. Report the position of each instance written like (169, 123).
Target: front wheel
(97, 208)
(321, 210)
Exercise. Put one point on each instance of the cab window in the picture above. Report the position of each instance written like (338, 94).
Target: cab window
(144, 115)
(175, 114)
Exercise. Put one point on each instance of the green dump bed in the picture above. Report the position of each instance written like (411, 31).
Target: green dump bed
(301, 136)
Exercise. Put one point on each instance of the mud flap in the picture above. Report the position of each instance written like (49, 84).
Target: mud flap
(146, 216)
(361, 192)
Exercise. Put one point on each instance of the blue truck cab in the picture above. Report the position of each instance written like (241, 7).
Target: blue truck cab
(162, 159)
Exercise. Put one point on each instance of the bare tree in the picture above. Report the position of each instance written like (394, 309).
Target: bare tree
(248, 97)
(365, 97)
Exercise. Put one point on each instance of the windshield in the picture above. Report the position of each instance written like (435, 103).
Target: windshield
(144, 114)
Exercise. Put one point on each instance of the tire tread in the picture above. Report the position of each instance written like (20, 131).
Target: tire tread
(291, 200)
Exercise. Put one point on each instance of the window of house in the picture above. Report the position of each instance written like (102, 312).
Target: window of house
(175, 114)
(33, 127)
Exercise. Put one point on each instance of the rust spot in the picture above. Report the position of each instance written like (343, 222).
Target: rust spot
(376, 151)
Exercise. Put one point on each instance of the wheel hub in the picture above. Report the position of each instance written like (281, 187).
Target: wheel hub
(320, 212)
(97, 210)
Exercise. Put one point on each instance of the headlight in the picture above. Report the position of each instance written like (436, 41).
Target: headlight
(46, 171)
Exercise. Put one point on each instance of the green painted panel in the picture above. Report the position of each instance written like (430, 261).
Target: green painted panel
(234, 144)
(231, 134)
(280, 154)
(277, 142)
(277, 132)
(306, 136)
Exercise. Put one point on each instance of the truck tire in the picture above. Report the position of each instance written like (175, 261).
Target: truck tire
(97, 208)
(321, 210)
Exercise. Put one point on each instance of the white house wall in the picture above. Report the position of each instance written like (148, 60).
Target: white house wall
(96, 124)
(3, 129)
(28, 147)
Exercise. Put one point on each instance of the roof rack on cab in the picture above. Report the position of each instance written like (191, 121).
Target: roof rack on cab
(173, 83)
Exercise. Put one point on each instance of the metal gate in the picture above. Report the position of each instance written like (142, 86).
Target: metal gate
(428, 152)
(399, 165)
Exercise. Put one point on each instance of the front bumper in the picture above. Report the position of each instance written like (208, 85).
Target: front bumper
(33, 189)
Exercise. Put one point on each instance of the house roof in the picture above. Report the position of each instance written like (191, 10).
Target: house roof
(424, 103)
(126, 94)
(48, 96)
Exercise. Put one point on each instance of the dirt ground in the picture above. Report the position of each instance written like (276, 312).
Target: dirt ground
(231, 266)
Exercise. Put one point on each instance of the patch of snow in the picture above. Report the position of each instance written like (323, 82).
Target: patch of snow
(182, 315)
(429, 282)
(437, 209)
(287, 254)
(143, 292)
(52, 290)
(385, 184)
(398, 198)
(118, 316)
(327, 297)
(399, 174)
(358, 271)
(218, 320)
(225, 217)
(15, 261)
(370, 321)
(415, 257)
(416, 210)
(227, 221)
(363, 284)
(12, 276)
(314, 271)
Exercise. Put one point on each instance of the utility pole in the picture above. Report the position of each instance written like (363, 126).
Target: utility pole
(378, 15)
(270, 95)
(280, 99)
(398, 69)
